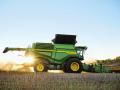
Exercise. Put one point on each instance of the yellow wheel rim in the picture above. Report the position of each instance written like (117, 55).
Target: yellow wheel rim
(40, 67)
(74, 66)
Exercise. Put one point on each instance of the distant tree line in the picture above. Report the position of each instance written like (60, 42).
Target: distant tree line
(109, 61)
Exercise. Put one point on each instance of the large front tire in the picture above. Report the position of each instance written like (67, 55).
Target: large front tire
(73, 65)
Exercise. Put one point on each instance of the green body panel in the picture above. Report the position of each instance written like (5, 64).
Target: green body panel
(64, 46)
(58, 54)
(63, 51)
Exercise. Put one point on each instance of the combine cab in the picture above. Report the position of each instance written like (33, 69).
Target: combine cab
(62, 54)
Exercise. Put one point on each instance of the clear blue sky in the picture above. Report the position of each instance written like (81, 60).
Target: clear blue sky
(95, 22)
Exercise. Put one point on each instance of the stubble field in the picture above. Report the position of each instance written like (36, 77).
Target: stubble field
(58, 81)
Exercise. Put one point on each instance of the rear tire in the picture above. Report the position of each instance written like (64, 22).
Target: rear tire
(73, 65)
(41, 66)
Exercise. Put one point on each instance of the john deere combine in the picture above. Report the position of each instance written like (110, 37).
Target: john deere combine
(62, 54)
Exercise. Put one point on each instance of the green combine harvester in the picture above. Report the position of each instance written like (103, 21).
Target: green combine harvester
(62, 54)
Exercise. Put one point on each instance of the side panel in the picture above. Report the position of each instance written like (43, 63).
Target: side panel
(61, 57)
(63, 52)
(60, 53)
(49, 54)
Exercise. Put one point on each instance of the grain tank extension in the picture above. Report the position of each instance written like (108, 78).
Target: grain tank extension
(61, 54)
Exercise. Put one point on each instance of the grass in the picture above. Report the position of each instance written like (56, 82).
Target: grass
(58, 81)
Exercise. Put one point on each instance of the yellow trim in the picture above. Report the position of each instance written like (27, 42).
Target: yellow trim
(40, 67)
(74, 66)
(71, 52)
(57, 51)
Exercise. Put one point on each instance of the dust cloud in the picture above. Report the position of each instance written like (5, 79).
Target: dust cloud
(15, 61)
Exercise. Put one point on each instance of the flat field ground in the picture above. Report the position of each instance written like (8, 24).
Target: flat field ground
(58, 81)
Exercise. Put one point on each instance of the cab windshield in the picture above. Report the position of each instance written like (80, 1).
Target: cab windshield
(80, 52)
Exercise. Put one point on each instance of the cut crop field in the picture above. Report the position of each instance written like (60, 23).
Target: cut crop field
(58, 81)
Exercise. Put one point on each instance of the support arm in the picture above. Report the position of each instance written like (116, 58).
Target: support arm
(13, 49)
